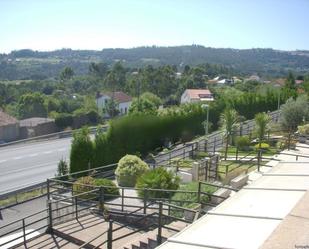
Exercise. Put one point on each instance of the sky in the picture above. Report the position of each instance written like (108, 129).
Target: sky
(98, 24)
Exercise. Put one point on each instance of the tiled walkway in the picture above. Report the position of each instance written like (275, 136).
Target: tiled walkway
(259, 211)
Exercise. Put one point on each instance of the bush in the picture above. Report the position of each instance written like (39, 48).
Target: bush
(63, 120)
(110, 189)
(304, 129)
(78, 187)
(243, 142)
(159, 178)
(190, 200)
(82, 150)
(129, 168)
(264, 146)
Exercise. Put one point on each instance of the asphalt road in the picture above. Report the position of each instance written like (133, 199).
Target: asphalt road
(26, 164)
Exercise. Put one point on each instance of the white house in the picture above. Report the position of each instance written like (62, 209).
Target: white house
(196, 95)
(123, 101)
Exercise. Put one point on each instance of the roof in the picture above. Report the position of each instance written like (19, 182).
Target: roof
(198, 93)
(119, 97)
(6, 119)
(30, 122)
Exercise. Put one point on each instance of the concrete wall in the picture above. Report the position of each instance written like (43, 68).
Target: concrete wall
(38, 130)
(9, 132)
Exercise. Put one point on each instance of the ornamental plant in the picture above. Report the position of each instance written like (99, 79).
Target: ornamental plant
(129, 168)
(159, 178)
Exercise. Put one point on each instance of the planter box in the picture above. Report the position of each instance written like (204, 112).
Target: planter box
(239, 181)
(221, 192)
(189, 216)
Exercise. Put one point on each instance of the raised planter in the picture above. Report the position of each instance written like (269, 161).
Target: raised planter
(220, 195)
(239, 181)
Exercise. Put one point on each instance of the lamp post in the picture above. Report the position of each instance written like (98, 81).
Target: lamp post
(207, 118)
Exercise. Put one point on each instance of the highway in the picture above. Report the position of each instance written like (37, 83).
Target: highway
(26, 164)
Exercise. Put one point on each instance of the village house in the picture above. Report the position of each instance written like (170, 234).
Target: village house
(196, 95)
(123, 101)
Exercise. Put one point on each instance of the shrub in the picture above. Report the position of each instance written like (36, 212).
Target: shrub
(63, 120)
(159, 178)
(304, 129)
(78, 187)
(190, 200)
(62, 170)
(264, 146)
(82, 150)
(110, 189)
(243, 142)
(129, 168)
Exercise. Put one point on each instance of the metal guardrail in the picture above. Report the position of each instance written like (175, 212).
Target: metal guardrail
(55, 135)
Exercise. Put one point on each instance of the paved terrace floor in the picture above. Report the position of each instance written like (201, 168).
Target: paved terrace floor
(270, 212)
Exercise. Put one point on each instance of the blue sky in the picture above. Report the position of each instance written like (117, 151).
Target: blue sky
(98, 24)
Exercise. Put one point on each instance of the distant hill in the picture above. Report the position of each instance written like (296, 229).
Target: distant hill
(28, 64)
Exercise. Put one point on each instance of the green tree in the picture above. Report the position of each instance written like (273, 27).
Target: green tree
(290, 81)
(294, 112)
(228, 119)
(262, 121)
(82, 149)
(66, 74)
(31, 105)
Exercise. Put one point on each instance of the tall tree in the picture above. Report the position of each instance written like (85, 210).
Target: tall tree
(31, 105)
(290, 81)
(261, 125)
(66, 74)
(228, 119)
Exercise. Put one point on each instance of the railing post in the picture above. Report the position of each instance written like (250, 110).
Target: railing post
(236, 153)
(159, 238)
(76, 208)
(50, 217)
(145, 200)
(206, 143)
(215, 142)
(122, 199)
(48, 189)
(101, 200)
(110, 235)
(199, 192)
(24, 231)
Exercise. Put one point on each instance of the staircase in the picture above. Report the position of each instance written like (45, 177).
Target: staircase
(148, 240)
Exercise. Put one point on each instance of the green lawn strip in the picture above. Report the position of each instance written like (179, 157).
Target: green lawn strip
(234, 169)
(20, 197)
(192, 198)
(232, 152)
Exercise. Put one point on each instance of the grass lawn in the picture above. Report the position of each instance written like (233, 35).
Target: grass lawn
(20, 197)
(232, 152)
(234, 169)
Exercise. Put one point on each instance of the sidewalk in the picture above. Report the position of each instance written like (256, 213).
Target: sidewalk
(248, 218)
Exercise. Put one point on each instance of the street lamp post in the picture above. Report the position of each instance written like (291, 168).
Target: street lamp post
(207, 118)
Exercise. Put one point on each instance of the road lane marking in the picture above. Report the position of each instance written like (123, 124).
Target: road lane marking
(2, 161)
(62, 149)
(33, 155)
(17, 157)
(48, 152)
(33, 167)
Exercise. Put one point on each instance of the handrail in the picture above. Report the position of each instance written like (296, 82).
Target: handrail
(219, 186)
(26, 217)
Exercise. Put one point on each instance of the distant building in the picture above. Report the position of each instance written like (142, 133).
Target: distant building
(196, 95)
(9, 127)
(33, 127)
(123, 101)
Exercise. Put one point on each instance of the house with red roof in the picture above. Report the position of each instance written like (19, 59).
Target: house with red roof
(123, 101)
(196, 95)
